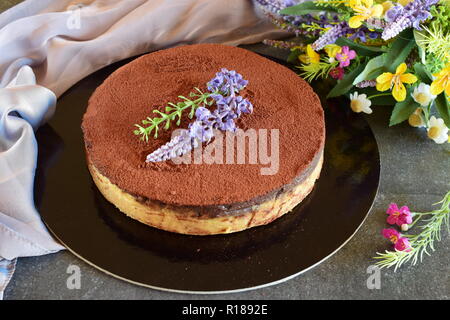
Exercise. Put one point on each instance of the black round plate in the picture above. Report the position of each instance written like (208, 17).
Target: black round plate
(94, 230)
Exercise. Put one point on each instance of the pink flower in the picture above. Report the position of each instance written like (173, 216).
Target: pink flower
(337, 73)
(402, 244)
(345, 56)
(391, 234)
(398, 216)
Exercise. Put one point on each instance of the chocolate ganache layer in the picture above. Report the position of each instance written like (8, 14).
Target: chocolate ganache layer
(281, 101)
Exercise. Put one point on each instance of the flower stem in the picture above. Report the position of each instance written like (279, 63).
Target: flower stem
(173, 112)
(379, 95)
(423, 242)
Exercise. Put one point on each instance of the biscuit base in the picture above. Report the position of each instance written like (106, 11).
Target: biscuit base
(188, 221)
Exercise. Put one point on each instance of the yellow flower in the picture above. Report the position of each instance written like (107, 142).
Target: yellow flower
(442, 81)
(404, 2)
(332, 50)
(365, 9)
(386, 6)
(388, 80)
(298, 47)
(310, 57)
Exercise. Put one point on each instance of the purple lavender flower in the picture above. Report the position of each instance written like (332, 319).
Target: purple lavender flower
(176, 147)
(289, 3)
(280, 44)
(362, 33)
(200, 131)
(275, 6)
(229, 108)
(411, 15)
(359, 34)
(393, 13)
(373, 35)
(366, 84)
(236, 105)
(227, 82)
(393, 29)
(332, 35)
(296, 24)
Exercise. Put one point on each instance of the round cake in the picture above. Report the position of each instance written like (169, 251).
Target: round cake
(204, 198)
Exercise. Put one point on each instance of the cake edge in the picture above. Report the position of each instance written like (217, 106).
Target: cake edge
(179, 220)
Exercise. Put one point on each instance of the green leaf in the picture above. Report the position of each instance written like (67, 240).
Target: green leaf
(422, 72)
(402, 110)
(387, 100)
(389, 61)
(344, 85)
(293, 56)
(419, 37)
(373, 69)
(443, 107)
(399, 50)
(362, 50)
(305, 8)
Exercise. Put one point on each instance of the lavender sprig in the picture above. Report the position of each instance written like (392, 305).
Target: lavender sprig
(401, 18)
(223, 88)
(330, 37)
(227, 82)
(275, 6)
(224, 82)
(172, 112)
(307, 25)
(281, 44)
(366, 84)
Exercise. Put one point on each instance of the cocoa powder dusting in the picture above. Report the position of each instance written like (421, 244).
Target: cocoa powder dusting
(281, 101)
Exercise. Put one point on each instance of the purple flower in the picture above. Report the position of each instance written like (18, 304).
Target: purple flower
(373, 35)
(224, 121)
(275, 6)
(280, 44)
(202, 114)
(200, 132)
(227, 82)
(393, 13)
(296, 24)
(229, 108)
(289, 3)
(332, 35)
(345, 56)
(401, 18)
(366, 84)
(176, 147)
(360, 34)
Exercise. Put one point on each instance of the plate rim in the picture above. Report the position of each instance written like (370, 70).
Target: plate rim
(378, 167)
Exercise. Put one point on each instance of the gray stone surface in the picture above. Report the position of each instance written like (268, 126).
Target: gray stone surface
(415, 171)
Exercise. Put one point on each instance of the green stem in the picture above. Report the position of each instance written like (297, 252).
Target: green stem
(173, 111)
(379, 95)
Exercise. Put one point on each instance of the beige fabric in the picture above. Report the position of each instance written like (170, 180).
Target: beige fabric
(64, 41)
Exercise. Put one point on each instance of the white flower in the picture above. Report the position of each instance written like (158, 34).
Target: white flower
(422, 95)
(416, 119)
(437, 130)
(360, 103)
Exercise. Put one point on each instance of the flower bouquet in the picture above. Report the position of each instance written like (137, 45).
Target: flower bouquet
(378, 52)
